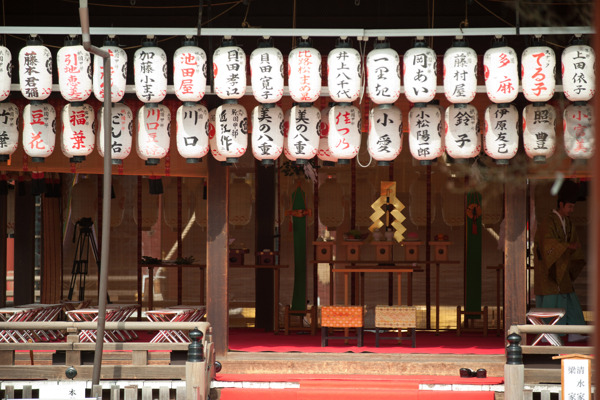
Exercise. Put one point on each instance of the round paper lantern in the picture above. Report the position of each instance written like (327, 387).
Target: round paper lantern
(385, 133)
(267, 133)
(240, 202)
(286, 131)
(212, 137)
(39, 130)
(149, 208)
(74, 71)
(78, 138)
(578, 126)
(266, 70)
(344, 132)
(460, 73)
(538, 69)
(9, 130)
(192, 132)
(539, 131)
(150, 72)
(304, 73)
(578, 75)
(231, 130)
(35, 70)
(121, 132)
(189, 72)
(383, 74)
(5, 72)
(425, 138)
(500, 64)
(303, 135)
(229, 71)
(154, 132)
(420, 73)
(118, 72)
(501, 134)
(324, 153)
(331, 207)
(461, 138)
(344, 73)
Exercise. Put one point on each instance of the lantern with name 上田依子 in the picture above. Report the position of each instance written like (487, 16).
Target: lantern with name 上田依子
(425, 138)
(266, 70)
(304, 73)
(324, 153)
(267, 133)
(385, 133)
(118, 72)
(74, 71)
(78, 138)
(578, 75)
(303, 135)
(501, 73)
(501, 133)
(9, 130)
(578, 124)
(154, 132)
(121, 132)
(189, 72)
(539, 131)
(192, 131)
(420, 73)
(383, 74)
(344, 132)
(538, 69)
(344, 72)
(460, 72)
(462, 139)
(150, 72)
(5, 72)
(231, 130)
(39, 130)
(35, 70)
(229, 71)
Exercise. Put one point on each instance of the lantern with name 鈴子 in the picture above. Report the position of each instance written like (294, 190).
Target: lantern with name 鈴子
(425, 138)
(150, 72)
(212, 137)
(231, 130)
(344, 72)
(578, 125)
(5, 72)
(578, 75)
(267, 133)
(192, 131)
(501, 133)
(39, 130)
(501, 72)
(383, 74)
(154, 132)
(460, 72)
(286, 132)
(539, 131)
(78, 138)
(74, 71)
(462, 139)
(304, 73)
(385, 133)
(9, 130)
(420, 73)
(229, 71)
(344, 132)
(118, 72)
(538, 69)
(266, 71)
(324, 153)
(121, 132)
(303, 135)
(35, 70)
(189, 72)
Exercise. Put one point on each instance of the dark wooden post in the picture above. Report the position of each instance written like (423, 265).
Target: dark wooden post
(594, 218)
(24, 244)
(3, 248)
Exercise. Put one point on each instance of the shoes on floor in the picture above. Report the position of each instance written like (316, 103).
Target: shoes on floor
(467, 373)
(481, 373)
(576, 337)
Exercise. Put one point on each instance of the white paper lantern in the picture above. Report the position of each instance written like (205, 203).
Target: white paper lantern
(74, 71)
(460, 73)
(304, 73)
(303, 136)
(189, 72)
(324, 153)
(501, 73)
(383, 74)
(539, 131)
(154, 132)
(267, 133)
(501, 133)
(266, 70)
(229, 71)
(192, 132)
(118, 72)
(344, 132)
(150, 72)
(538, 69)
(121, 132)
(286, 132)
(420, 73)
(462, 138)
(78, 138)
(35, 71)
(578, 125)
(344, 73)
(5, 72)
(39, 130)
(231, 130)
(425, 138)
(385, 133)
(9, 130)
(578, 75)
(212, 137)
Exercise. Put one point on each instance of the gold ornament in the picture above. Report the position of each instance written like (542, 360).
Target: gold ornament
(389, 206)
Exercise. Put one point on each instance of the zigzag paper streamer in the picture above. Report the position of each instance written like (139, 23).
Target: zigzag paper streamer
(388, 197)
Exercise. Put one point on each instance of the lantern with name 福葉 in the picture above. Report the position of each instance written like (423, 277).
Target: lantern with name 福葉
(501, 133)
(229, 71)
(425, 138)
(303, 135)
(344, 72)
(385, 133)
(35, 70)
(383, 74)
(78, 138)
(121, 132)
(538, 69)
(266, 71)
(462, 139)
(9, 130)
(118, 72)
(460, 72)
(344, 132)
(192, 131)
(539, 131)
(39, 130)
(324, 153)
(231, 130)
(150, 72)
(267, 133)
(501, 73)
(578, 124)
(304, 73)
(154, 132)
(578, 74)
(420, 73)
(74, 71)
(189, 72)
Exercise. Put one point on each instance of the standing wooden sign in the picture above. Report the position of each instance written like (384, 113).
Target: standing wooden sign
(576, 376)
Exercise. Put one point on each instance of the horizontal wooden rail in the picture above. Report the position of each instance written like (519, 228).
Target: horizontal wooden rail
(125, 325)
(536, 329)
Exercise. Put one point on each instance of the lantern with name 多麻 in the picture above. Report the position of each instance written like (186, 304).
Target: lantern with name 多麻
(231, 130)
(344, 132)
(578, 124)
(192, 131)
(266, 70)
(150, 72)
(303, 135)
(118, 72)
(420, 73)
(154, 132)
(344, 72)
(39, 130)
(538, 69)
(35, 70)
(324, 153)
(212, 137)
(501, 133)
(383, 74)
(501, 73)
(460, 72)
(385, 133)
(462, 138)
(229, 71)
(539, 131)
(304, 73)
(78, 138)
(578, 75)
(121, 133)
(425, 138)
(189, 72)
(74, 71)
(267, 133)
(9, 130)
(5, 72)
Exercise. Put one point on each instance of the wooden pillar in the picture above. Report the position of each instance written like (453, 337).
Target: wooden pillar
(217, 303)
(3, 247)
(24, 244)
(594, 219)
(51, 273)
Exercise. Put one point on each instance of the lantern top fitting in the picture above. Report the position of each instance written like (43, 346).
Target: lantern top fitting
(460, 41)
(342, 43)
(33, 40)
(110, 41)
(72, 41)
(499, 41)
(189, 41)
(149, 42)
(265, 42)
(381, 44)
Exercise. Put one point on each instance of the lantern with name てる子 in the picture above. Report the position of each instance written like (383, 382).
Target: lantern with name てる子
(578, 75)
(267, 133)
(39, 130)
(425, 138)
(385, 133)
(74, 71)
(5, 72)
(154, 132)
(78, 138)
(538, 69)
(150, 72)
(383, 74)
(344, 72)
(460, 72)
(35, 70)
(189, 72)
(118, 72)
(303, 135)
(501, 133)
(229, 71)
(420, 73)
(344, 132)
(578, 125)
(324, 153)
(121, 132)
(266, 71)
(304, 73)
(501, 73)
(192, 131)
(462, 138)
(539, 131)
(231, 130)
(9, 129)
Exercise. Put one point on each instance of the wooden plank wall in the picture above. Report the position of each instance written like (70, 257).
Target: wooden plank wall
(51, 273)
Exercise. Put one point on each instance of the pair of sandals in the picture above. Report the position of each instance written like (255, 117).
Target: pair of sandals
(469, 373)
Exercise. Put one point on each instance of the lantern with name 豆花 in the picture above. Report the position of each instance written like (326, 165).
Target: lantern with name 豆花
(344, 132)
(425, 138)
(578, 125)
(324, 153)
(286, 132)
(501, 73)
(9, 130)
(383, 74)
(229, 71)
(578, 74)
(150, 72)
(74, 71)
(461, 138)
(212, 137)
(154, 132)
(192, 131)
(121, 132)
(35, 70)
(460, 72)
(501, 133)
(344, 72)
(266, 71)
(78, 138)
(39, 130)
(538, 69)
(189, 72)
(539, 131)
(118, 72)
(304, 73)
(385, 133)
(303, 135)
(267, 133)
(420, 73)
(5, 72)
(231, 130)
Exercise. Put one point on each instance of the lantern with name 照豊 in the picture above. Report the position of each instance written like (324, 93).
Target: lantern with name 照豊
(539, 131)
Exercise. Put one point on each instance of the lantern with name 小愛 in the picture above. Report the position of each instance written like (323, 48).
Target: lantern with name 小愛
(118, 72)
(385, 133)
(231, 130)
(420, 73)
(501, 72)
(267, 133)
(150, 72)
(383, 74)
(5, 72)
(324, 153)
(344, 132)
(35, 70)
(192, 131)
(501, 133)
(229, 71)
(266, 71)
(539, 131)
(39, 130)
(460, 72)
(344, 72)
(212, 137)
(425, 138)
(303, 136)
(9, 130)
(304, 73)
(578, 74)
(286, 132)
(189, 72)
(121, 132)
(538, 69)
(74, 71)
(462, 138)
(154, 132)
(78, 138)
(578, 125)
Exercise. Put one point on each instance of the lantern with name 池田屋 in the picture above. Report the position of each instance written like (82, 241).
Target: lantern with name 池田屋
(420, 73)
(304, 73)
(578, 125)
(150, 72)
(501, 73)
(121, 132)
(303, 135)
(578, 74)
(385, 133)
(35, 70)
(189, 72)
(344, 72)
(425, 138)
(192, 131)
(118, 72)
(460, 72)
(383, 74)
(154, 132)
(78, 138)
(229, 71)
(538, 70)
(231, 130)
(267, 133)
(9, 129)
(501, 133)
(344, 132)
(74, 71)
(39, 130)
(266, 71)
(462, 138)
(539, 131)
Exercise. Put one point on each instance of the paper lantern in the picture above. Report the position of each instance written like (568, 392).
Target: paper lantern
(286, 131)
(229, 71)
(150, 72)
(331, 207)
(78, 138)
(385, 133)
(578, 75)
(500, 64)
(212, 137)
(303, 136)
(240, 202)
(304, 73)
(267, 133)
(344, 73)
(170, 204)
(501, 134)
(118, 72)
(324, 153)
(192, 132)
(189, 72)
(538, 69)
(461, 138)
(460, 73)
(74, 71)
(149, 208)
(266, 70)
(231, 131)
(539, 131)
(39, 130)
(578, 125)
(9, 130)
(425, 138)
(154, 132)
(35, 70)
(420, 73)
(121, 132)
(5, 72)
(383, 74)
(344, 132)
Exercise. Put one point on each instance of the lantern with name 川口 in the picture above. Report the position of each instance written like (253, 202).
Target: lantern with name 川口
(501, 133)
(344, 72)
(578, 124)
(578, 75)
(460, 72)
(35, 70)
(539, 131)
(538, 69)
(78, 138)
(9, 130)
(385, 133)
(267, 133)
(150, 72)
(231, 130)
(324, 153)
(74, 71)
(229, 70)
(121, 132)
(344, 132)
(501, 73)
(383, 74)
(154, 132)
(118, 72)
(189, 72)
(304, 73)
(303, 135)
(5, 72)
(39, 130)
(425, 138)
(420, 73)
(192, 131)
(462, 138)
(266, 70)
